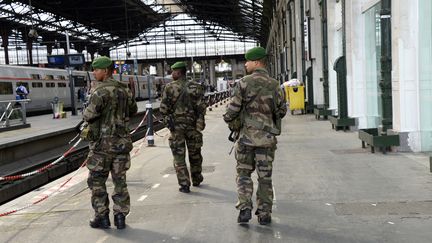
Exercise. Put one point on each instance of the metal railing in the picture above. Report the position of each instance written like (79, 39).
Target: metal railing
(13, 113)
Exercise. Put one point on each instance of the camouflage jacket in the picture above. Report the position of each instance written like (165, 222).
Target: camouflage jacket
(190, 109)
(110, 106)
(258, 103)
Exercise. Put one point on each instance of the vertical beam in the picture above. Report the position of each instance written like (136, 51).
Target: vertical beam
(325, 53)
(386, 66)
(291, 38)
(303, 59)
(5, 33)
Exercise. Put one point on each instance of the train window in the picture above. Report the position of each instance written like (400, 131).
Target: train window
(49, 77)
(35, 76)
(37, 85)
(50, 85)
(61, 85)
(6, 88)
(61, 77)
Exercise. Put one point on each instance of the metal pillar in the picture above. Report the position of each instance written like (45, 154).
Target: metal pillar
(71, 81)
(386, 67)
(291, 38)
(149, 107)
(303, 64)
(323, 110)
(5, 33)
(325, 53)
(309, 87)
(342, 120)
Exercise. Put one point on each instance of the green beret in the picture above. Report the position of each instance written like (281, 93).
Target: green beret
(178, 65)
(101, 62)
(255, 53)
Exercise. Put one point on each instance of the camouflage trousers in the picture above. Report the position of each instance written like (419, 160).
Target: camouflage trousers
(99, 165)
(248, 159)
(179, 139)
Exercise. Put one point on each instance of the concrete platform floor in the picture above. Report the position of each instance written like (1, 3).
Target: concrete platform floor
(327, 189)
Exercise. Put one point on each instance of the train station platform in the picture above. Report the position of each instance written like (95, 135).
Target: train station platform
(327, 189)
(45, 125)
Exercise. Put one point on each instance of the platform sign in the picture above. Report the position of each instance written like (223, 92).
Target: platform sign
(71, 60)
(75, 60)
(56, 60)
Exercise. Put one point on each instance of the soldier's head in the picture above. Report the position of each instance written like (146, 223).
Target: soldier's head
(178, 70)
(255, 58)
(103, 68)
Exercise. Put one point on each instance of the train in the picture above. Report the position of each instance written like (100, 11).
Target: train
(46, 85)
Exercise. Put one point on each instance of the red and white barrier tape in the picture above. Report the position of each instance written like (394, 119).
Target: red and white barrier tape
(21, 176)
(45, 196)
(140, 144)
(16, 177)
(140, 124)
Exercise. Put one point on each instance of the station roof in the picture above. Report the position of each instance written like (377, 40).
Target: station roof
(110, 23)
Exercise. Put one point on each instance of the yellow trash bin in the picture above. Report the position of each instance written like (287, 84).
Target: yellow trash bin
(296, 98)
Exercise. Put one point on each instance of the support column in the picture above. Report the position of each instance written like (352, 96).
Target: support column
(212, 72)
(386, 67)
(29, 45)
(159, 68)
(5, 33)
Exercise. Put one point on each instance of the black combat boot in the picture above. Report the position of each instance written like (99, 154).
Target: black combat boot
(197, 179)
(120, 221)
(184, 189)
(264, 219)
(102, 222)
(244, 216)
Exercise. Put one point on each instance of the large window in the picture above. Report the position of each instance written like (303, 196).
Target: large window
(373, 65)
(6, 88)
(425, 73)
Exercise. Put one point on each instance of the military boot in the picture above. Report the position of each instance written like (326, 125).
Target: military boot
(184, 189)
(264, 219)
(197, 179)
(120, 221)
(244, 216)
(102, 222)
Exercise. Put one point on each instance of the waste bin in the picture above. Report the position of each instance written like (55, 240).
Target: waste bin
(57, 108)
(296, 98)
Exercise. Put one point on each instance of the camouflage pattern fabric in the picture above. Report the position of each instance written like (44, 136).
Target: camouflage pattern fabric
(259, 99)
(188, 111)
(110, 106)
(258, 102)
(248, 159)
(99, 165)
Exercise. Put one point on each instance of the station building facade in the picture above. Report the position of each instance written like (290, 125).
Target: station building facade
(387, 46)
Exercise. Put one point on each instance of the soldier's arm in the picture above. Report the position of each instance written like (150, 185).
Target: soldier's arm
(234, 106)
(166, 101)
(93, 110)
(201, 108)
(281, 104)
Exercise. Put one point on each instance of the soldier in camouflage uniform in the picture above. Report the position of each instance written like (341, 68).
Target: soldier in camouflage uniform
(255, 111)
(107, 116)
(184, 109)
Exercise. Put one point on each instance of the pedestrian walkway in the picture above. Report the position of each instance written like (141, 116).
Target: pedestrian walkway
(327, 189)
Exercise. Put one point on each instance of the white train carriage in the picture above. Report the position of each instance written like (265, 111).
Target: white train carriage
(47, 84)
